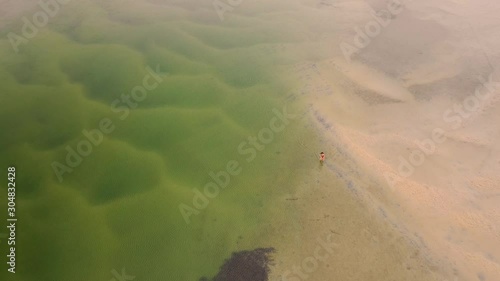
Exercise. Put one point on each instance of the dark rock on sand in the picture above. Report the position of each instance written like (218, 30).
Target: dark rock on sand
(245, 266)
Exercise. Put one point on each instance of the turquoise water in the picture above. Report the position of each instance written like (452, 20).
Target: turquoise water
(118, 207)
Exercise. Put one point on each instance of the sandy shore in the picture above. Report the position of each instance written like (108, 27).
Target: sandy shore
(410, 128)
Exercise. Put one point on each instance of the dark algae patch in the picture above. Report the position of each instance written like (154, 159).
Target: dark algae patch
(245, 266)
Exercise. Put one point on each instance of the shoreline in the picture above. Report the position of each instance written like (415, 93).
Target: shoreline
(331, 207)
(427, 217)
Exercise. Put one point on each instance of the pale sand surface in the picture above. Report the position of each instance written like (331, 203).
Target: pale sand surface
(376, 109)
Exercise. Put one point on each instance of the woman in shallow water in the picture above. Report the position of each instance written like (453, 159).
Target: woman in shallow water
(321, 157)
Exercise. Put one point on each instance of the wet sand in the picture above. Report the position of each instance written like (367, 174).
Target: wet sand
(363, 244)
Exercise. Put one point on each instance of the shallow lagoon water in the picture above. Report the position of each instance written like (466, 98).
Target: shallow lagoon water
(119, 208)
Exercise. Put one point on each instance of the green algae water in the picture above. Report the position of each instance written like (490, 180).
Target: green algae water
(108, 184)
